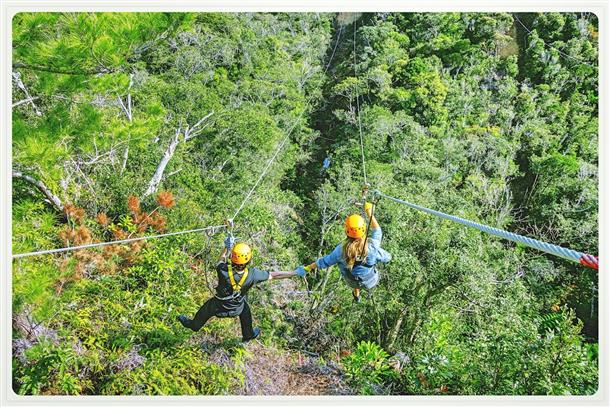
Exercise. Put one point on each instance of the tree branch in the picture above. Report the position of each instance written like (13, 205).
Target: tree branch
(51, 69)
(192, 132)
(52, 198)
(27, 100)
(153, 185)
(21, 85)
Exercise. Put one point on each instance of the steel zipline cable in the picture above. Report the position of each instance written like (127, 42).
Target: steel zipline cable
(568, 254)
(214, 229)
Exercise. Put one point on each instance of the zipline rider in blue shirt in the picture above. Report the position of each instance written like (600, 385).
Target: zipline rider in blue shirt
(357, 255)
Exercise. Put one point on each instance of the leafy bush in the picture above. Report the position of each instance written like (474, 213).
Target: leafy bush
(367, 368)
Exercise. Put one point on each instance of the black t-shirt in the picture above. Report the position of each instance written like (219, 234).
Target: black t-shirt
(235, 305)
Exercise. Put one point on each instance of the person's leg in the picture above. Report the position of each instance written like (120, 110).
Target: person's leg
(353, 284)
(207, 311)
(372, 281)
(245, 319)
(356, 294)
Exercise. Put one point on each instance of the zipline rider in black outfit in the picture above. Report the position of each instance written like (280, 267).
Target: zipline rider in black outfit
(234, 281)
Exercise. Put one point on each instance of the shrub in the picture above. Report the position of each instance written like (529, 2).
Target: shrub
(368, 369)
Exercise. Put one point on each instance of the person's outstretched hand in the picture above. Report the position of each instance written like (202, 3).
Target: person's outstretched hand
(300, 271)
(229, 242)
(368, 208)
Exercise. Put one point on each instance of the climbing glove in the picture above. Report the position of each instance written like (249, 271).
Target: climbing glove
(229, 242)
(301, 270)
(368, 208)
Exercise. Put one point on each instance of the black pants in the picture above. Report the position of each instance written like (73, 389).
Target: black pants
(210, 309)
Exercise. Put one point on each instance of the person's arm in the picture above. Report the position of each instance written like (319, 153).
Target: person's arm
(327, 261)
(383, 256)
(368, 208)
(223, 256)
(229, 243)
(282, 274)
(262, 276)
(323, 262)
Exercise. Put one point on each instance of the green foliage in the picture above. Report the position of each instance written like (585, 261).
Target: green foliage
(480, 115)
(183, 371)
(367, 368)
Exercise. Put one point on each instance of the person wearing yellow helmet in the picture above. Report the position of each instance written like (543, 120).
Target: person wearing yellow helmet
(357, 255)
(235, 278)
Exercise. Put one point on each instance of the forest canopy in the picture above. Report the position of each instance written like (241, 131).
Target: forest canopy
(135, 124)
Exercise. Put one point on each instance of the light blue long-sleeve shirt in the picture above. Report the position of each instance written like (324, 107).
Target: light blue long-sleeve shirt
(375, 255)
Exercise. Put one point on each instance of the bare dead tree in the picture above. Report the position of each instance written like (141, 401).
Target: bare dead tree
(127, 109)
(50, 196)
(154, 182)
(393, 335)
(189, 132)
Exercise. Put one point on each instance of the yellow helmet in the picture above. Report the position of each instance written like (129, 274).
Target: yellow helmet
(241, 254)
(355, 226)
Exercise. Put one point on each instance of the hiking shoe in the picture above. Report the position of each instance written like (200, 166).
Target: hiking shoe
(356, 294)
(185, 321)
(257, 332)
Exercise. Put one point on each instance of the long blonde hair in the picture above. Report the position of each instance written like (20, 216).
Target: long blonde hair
(354, 248)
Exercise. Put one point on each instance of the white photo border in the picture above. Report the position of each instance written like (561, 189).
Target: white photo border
(9, 8)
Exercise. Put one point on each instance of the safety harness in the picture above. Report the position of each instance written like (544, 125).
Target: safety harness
(237, 286)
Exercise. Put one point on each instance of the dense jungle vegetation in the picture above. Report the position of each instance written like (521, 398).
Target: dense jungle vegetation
(134, 124)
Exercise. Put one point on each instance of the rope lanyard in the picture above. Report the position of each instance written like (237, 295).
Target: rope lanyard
(568, 254)
(207, 249)
(368, 225)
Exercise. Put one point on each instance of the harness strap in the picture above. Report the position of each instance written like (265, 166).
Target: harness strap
(363, 264)
(233, 296)
(237, 286)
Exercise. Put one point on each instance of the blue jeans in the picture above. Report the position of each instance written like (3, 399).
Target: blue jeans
(366, 281)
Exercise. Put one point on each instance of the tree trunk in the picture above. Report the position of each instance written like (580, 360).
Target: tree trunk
(189, 133)
(394, 332)
(129, 113)
(153, 185)
(29, 99)
(51, 69)
(52, 198)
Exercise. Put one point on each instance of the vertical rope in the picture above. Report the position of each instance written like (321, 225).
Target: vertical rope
(281, 145)
(358, 109)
